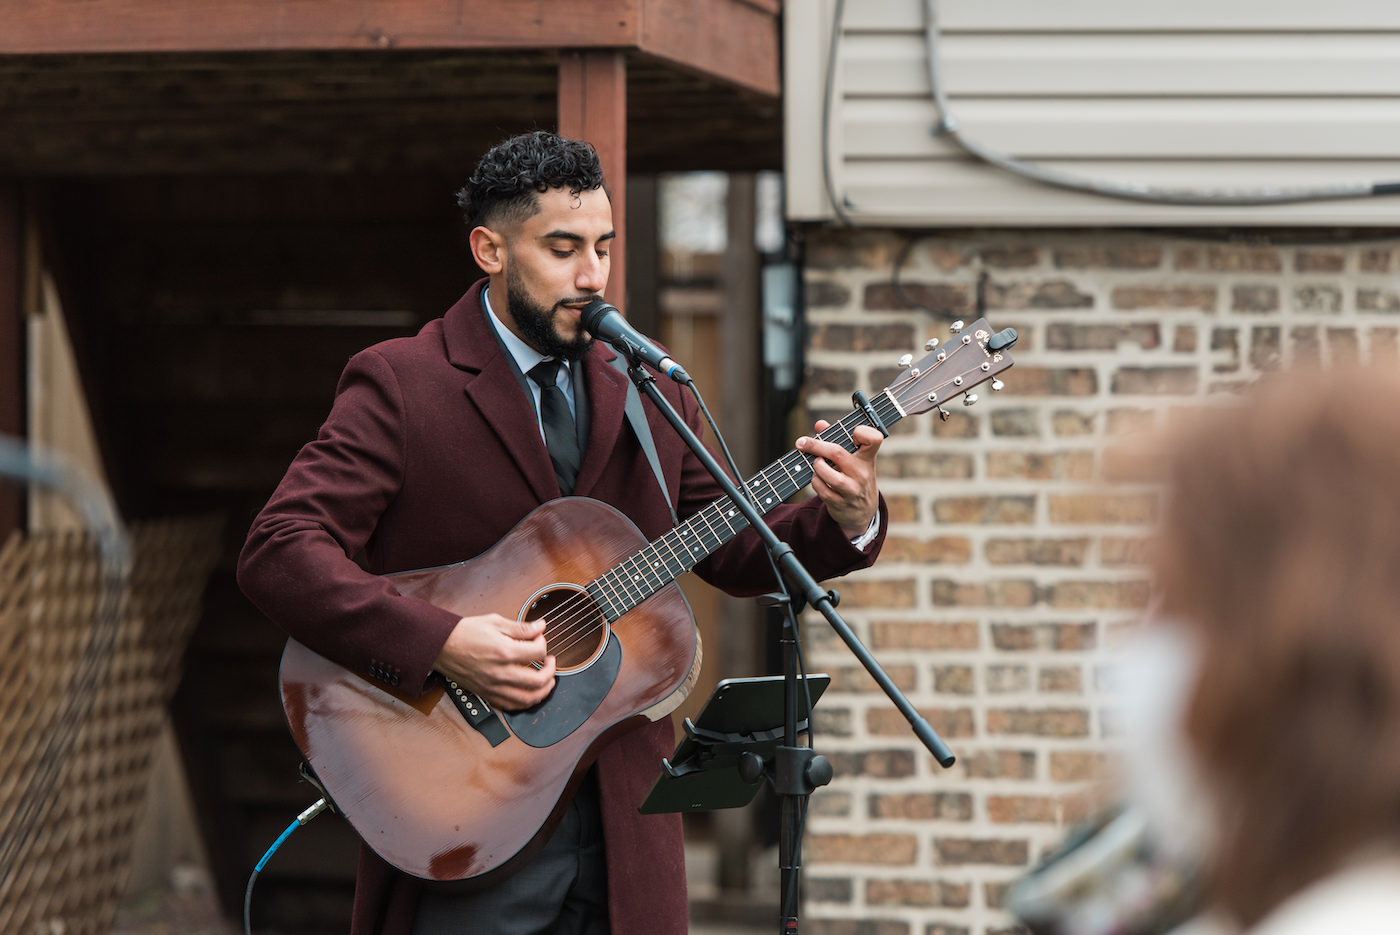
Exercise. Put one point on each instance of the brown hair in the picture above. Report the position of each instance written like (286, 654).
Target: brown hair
(1280, 547)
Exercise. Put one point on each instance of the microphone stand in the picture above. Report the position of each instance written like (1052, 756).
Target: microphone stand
(795, 770)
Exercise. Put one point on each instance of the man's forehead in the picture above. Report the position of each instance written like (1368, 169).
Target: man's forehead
(586, 213)
(573, 199)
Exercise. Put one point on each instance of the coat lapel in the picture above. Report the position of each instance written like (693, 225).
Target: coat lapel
(490, 384)
(607, 401)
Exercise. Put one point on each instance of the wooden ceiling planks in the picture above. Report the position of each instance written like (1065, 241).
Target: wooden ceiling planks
(346, 112)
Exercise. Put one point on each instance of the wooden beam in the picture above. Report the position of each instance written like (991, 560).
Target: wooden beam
(50, 26)
(13, 371)
(593, 107)
(733, 41)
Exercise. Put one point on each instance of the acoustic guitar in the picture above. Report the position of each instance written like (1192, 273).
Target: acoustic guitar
(446, 788)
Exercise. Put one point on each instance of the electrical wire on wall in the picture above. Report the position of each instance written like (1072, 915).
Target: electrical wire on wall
(949, 128)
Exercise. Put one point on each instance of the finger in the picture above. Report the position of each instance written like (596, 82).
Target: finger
(512, 647)
(517, 681)
(534, 684)
(869, 439)
(528, 636)
(821, 425)
(528, 651)
(833, 462)
(818, 448)
(830, 484)
(528, 677)
(522, 629)
(826, 472)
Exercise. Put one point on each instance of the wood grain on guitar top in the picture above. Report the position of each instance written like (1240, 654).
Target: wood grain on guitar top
(420, 785)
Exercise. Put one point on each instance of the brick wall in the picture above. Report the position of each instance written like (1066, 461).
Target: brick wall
(1014, 555)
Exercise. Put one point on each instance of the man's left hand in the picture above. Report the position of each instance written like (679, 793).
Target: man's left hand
(845, 480)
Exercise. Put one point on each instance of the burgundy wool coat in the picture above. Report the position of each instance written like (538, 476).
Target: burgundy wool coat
(431, 453)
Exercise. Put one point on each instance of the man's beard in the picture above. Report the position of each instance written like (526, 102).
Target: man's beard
(536, 324)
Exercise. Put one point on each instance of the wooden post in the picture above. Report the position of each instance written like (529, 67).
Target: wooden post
(741, 336)
(644, 253)
(12, 349)
(593, 107)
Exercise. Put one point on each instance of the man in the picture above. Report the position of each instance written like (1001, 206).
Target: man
(436, 446)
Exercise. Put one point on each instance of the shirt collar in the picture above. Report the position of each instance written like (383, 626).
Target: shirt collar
(525, 356)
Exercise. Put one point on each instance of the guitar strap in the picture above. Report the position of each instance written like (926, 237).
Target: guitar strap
(642, 429)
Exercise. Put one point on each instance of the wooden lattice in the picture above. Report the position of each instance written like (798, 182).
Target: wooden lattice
(71, 868)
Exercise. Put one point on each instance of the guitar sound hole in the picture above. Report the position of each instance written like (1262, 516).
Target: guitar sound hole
(575, 628)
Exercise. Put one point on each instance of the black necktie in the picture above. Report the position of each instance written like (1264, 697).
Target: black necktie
(560, 433)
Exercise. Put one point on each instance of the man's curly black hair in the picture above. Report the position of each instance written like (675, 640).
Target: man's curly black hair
(509, 179)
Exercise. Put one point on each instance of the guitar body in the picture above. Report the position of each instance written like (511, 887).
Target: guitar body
(427, 790)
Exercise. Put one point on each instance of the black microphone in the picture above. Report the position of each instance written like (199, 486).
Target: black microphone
(605, 322)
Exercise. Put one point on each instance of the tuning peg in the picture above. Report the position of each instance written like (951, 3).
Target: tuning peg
(997, 386)
(930, 344)
(944, 414)
(957, 326)
(969, 399)
(906, 360)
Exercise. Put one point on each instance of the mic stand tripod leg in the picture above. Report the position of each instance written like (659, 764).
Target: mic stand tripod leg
(795, 772)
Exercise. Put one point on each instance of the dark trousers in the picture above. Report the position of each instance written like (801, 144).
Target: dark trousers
(562, 890)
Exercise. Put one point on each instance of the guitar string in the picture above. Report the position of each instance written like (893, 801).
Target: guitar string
(580, 623)
(579, 619)
(585, 617)
(581, 613)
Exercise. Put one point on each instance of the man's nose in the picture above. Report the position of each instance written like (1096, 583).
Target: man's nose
(593, 274)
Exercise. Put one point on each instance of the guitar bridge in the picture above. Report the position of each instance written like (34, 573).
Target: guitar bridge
(477, 713)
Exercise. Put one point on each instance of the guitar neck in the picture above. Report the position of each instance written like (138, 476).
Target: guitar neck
(632, 581)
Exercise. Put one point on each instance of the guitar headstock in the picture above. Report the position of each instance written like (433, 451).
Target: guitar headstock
(976, 354)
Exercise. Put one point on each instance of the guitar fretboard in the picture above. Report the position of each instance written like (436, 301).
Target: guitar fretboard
(650, 569)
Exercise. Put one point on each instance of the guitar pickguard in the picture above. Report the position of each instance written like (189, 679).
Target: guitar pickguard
(575, 697)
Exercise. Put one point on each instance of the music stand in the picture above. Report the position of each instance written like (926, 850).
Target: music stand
(719, 762)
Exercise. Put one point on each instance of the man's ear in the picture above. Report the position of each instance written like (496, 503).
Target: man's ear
(488, 249)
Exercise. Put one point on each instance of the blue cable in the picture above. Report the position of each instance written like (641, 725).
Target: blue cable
(303, 818)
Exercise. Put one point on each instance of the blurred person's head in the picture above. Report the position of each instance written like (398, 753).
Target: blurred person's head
(1279, 555)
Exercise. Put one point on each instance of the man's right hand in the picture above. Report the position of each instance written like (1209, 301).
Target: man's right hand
(503, 661)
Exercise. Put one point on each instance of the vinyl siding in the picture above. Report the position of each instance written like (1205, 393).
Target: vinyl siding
(1207, 96)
